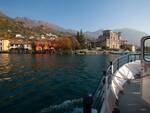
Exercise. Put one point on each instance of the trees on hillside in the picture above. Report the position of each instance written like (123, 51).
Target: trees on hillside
(5, 35)
(66, 43)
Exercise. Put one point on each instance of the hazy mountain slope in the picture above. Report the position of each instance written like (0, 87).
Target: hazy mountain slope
(133, 36)
(27, 22)
(3, 15)
(94, 34)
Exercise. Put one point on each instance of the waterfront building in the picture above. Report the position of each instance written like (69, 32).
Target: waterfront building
(46, 46)
(109, 39)
(27, 47)
(19, 46)
(4, 45)
(43, 37)
(38, 46)
(0, 45)
(133, 48)
(43, 46)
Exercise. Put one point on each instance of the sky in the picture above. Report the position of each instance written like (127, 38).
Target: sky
(88, 15)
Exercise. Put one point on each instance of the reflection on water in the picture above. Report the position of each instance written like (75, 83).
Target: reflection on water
(29, 83)
(4, 63)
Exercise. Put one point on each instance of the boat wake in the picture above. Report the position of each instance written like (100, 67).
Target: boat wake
(68, 106)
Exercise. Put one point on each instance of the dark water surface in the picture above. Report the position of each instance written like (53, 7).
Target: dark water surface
(29, 83)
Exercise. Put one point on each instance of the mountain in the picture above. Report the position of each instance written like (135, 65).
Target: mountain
(28, 27)
(8, 27)
(2, 14)
(133, 36)
(38, 26)
(30, 23)
(94, 34)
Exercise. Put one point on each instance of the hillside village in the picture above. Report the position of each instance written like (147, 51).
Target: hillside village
(16, 36)
(42, 44)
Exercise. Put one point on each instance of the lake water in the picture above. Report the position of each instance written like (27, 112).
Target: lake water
(30, 83)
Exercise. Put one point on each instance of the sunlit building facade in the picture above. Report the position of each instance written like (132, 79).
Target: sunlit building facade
(4, 45)
(109, 39)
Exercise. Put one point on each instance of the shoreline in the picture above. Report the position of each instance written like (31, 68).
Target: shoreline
(76, 52)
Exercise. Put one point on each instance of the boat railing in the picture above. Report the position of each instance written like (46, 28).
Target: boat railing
(99, 94)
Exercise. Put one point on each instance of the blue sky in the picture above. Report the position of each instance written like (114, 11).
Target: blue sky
(89, 15)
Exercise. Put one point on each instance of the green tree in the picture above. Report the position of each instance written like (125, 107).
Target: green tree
(81, 39)
(126, 47)
(105, 47)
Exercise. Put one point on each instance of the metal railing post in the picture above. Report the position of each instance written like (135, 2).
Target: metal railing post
(118, 63)
(128, 58)
(112, 67)
(87, 104)
(131, 58)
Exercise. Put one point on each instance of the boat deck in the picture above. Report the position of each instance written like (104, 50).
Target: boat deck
(131, 100)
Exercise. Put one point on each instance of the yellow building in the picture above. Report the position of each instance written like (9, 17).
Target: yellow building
(0, 45)
(4, 45)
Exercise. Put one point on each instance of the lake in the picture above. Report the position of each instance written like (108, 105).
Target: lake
(30, 83)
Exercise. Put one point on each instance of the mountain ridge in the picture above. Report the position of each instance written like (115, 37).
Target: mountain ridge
(30, 23)
(132, 35)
